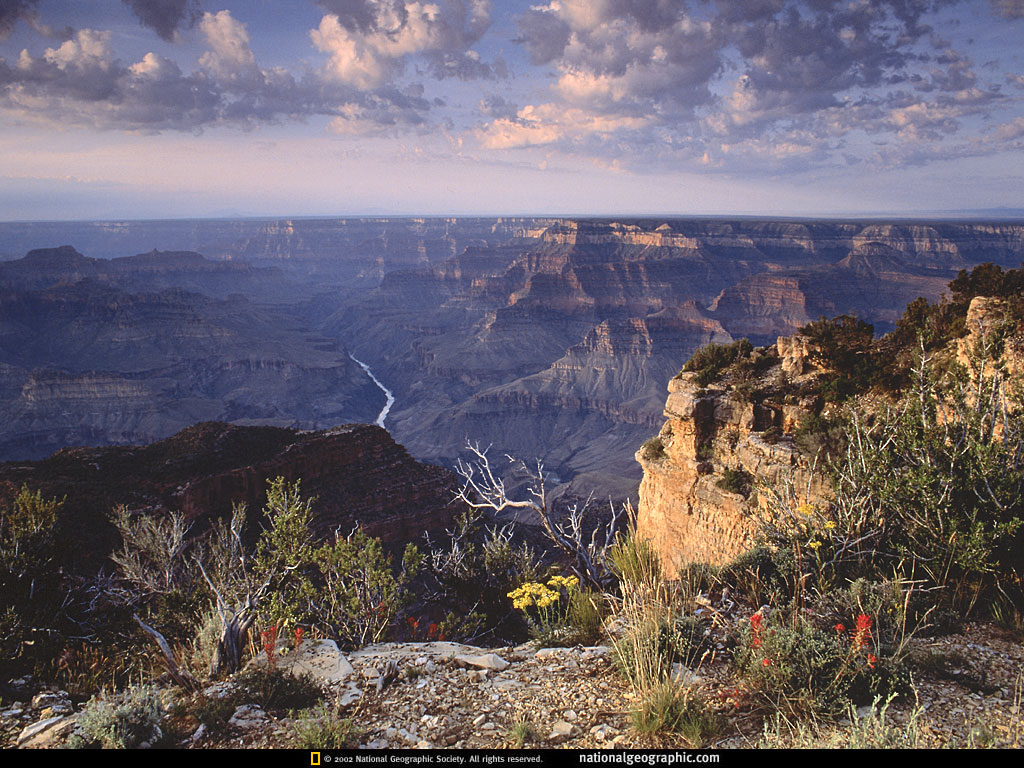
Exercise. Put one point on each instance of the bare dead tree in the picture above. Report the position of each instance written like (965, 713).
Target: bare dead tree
(237, 591)
(483, 489)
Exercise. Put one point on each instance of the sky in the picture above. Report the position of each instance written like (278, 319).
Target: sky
(183, 108)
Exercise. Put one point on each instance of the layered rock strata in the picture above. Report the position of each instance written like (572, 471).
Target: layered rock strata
(694, 506)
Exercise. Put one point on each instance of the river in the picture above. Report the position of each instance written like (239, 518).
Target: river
(387, 392)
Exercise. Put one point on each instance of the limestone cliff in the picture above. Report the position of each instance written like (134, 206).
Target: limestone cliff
(698, 497)
(733, 437)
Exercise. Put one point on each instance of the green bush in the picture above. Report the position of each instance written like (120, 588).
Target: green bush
(803, 669)
(33, 591)
(764, 574)
(710, 361)
(820, 436)
(274, 689)
(736, 481)
(323, 728)
(122, 723)
(653, 449)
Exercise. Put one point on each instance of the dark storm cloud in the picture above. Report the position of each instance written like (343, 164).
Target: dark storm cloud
(165, 17)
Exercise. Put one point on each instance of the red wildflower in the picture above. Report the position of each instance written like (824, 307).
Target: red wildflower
(432, 631)
(269, 637)
(861, 632)
(299, 631)
(839, 628)
(766, 662)
(756, 625)
(872, 660)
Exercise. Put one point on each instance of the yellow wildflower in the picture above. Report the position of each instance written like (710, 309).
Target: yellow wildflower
(815, 545)
(829, 525)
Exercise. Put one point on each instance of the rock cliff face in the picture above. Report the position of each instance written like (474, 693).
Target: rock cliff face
(689, 510)
(726, 447)
(359, 475)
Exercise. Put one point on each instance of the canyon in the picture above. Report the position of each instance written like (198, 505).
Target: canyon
(548, 338)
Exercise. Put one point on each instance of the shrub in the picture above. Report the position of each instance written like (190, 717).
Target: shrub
(711, 360)
(274, 689)
(820, 436)
(736, 481)
(764, 574)
(801, 669)
(843, 347)
(473, 574)
(33, 592)
(653, 449)
(323, 728)
(362, 595)
(937, 482)
(122, 723)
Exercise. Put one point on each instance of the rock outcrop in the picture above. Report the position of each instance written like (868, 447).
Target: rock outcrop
(705, 472)
(358, 474)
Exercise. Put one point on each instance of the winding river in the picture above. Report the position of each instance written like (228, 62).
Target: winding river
(387, 392)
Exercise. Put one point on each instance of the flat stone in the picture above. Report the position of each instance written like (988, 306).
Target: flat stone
(320, 659)
(248, 716)
(504, 683)
(562, 730)
(483, 661)
(31, 731)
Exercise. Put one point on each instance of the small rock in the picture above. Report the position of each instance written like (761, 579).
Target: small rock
(56, 710)
(200, 732)
(51, 699)
(483, 661)
(570, 716)
(248, 716)
(479, 720)
(504, 683)
(562, 730)
(219, 690)
(547, 653)
(424, 744)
